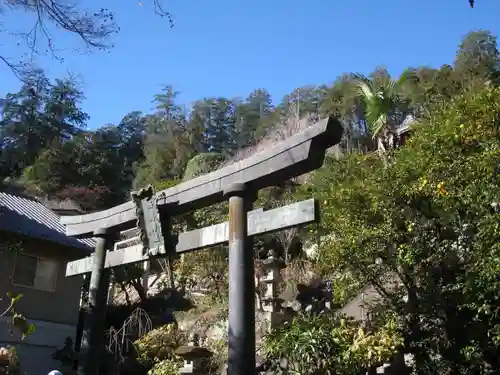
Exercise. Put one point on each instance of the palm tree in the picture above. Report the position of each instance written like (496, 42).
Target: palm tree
(380, 98)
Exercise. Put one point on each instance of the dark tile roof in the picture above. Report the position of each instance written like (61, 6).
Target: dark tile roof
(28, 216)
(405, 125)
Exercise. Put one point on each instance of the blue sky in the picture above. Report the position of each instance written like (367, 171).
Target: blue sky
(227, 48)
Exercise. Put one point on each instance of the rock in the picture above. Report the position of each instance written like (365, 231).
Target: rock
(218, 330)
(284, 364)
(294, 306)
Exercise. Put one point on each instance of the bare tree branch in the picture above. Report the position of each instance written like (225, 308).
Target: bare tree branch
(15, 68)
(94, 29)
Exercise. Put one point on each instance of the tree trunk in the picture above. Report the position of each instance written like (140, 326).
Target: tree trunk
(386, 138)
(170, 266)
(382, 151)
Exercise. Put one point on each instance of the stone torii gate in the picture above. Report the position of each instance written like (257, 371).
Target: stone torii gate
(239, 183)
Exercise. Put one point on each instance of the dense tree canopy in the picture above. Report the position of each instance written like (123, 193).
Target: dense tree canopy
(44, 141)
(429, 220)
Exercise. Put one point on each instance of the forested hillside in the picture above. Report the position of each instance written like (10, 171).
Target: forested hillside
(47, 149)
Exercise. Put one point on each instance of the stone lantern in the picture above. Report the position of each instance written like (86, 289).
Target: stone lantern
(194, 356)
(272, 304)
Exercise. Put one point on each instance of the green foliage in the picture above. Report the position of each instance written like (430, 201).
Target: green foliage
(253, 116)
(165, 184)
(380, 96)
(158, 345)
(330, 345)
(22, 325)
(424, 87)
(155, 351)
(426, 227)
(219, 350)
(166, 367)
(18, 320)
(95, 169)
(202, 164)
(207, 269)
(33, 118)
(169, 142)
(42, 131)
(478, 58)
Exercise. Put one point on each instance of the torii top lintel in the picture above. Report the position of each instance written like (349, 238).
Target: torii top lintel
(290, 158)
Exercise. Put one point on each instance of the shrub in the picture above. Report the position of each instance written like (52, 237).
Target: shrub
(426, 227)
(158, 345)
(330, 344)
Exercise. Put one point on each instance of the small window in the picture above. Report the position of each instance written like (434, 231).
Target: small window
(36, 273)
(25, 270)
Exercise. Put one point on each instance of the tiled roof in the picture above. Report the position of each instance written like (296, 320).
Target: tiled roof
(26, 215)
(405, 125)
